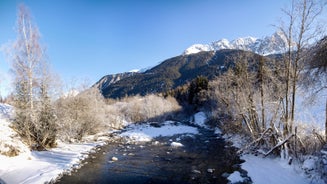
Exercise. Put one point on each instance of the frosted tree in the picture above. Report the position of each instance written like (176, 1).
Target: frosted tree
(81, 114)
(300, 29)
(31, 88)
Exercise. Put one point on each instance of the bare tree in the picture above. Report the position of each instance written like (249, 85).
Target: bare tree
(237, 90)
(31, 87)
(300, 29)
(261, 81)
(249, 94)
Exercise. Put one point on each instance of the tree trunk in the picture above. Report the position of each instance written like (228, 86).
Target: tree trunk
(288, 66)
(248, 125)
(293, 102)
(288, 76)
(261, 72)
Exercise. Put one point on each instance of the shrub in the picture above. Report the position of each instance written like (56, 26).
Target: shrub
(8, 150)
(80, 115)
(140, 109)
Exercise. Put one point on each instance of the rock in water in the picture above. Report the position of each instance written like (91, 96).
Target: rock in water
(196, 171)
(114, 159)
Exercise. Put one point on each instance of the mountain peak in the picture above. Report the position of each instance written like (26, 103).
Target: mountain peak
(276, 43)
(197, 48)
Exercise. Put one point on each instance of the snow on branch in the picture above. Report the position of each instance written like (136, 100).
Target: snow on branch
(279, 145)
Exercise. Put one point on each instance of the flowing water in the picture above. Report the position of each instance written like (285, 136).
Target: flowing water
(204, 158)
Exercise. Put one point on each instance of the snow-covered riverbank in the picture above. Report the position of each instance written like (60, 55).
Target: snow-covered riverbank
(41, 167)
(274, 170)
(34, 166)
(45, 166)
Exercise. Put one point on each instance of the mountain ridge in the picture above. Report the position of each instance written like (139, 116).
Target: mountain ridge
(274, 44)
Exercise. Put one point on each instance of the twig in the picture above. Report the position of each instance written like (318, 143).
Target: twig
(257, 140)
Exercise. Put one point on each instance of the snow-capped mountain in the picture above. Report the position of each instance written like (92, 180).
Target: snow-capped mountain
(276, 43)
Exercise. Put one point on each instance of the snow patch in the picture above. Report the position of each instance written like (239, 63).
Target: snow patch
(235, 177)
(196, 48)
(146, 132)
(218, 131)
(200, 119)
(134, 71)
(176, 144)
(310, 164)
(267, 170)
(237, 140)
(5, 111)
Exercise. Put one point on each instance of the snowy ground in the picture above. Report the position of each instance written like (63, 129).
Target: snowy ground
(277, 170)
(9, 139)
(40, 167)
(273, 170)
(37, 167)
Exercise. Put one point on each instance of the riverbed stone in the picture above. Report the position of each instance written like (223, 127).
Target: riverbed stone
(196, 171)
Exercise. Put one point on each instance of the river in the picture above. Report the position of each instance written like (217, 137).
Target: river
(203, 158)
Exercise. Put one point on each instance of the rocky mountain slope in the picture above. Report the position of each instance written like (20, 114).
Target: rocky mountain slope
(108, 80)
(170, 74)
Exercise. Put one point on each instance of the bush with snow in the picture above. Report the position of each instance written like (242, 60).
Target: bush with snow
(80, 115)
(140, 109)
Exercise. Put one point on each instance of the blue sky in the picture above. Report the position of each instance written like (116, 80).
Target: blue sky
(90, 39)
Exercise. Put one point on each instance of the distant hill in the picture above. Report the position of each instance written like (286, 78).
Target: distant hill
(169, 74)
